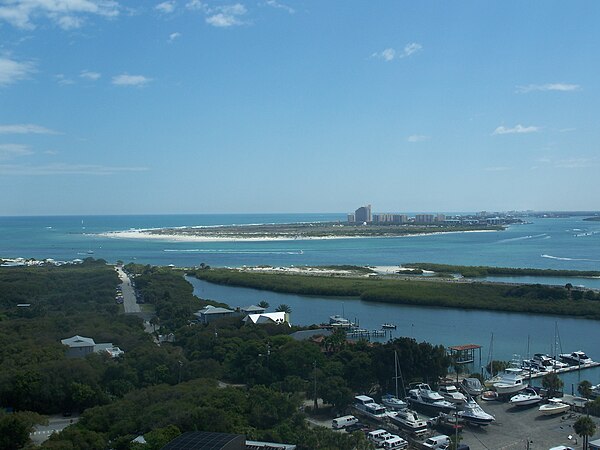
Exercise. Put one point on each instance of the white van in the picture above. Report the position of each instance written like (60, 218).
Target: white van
(343, 422)
(395, 443)
(378, 436)
(437, 442)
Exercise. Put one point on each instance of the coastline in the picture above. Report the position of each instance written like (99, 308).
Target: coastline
(147, 234)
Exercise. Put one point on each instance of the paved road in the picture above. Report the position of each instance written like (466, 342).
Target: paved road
(55, 425)
(129, 302)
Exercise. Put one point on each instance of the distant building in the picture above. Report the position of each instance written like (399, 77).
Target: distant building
(80, 346)
(252, 309)
(390, 218)
(351, 218)
(210, 313)
(424, 218)
(268, 318)
(440, 218)
(363, 214)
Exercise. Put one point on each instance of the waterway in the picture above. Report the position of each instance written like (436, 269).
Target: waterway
(445, 326)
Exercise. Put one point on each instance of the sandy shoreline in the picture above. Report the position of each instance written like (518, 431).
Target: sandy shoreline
(146, 234)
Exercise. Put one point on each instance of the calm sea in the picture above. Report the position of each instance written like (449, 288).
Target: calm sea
(546, 243)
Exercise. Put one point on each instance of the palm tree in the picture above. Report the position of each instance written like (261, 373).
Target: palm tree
(263, 304)
(584, 427)
(585, 388)
(284, 308)
(552, 384)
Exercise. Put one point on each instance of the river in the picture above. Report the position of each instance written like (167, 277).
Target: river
(445, 326)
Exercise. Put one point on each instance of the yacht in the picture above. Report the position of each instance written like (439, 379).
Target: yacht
(510, 381)
(422, 396)
(554, 406)
(392, 402)
(526, 398)
(366, 405)
(545, 363)
(472, 413)
(451, 393)
(575, 358)
(409, 420)
(472, 386)
(338, 321)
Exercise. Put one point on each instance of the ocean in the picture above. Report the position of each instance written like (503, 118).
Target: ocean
(555, 243)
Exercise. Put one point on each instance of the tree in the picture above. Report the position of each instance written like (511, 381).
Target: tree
(15, 429)
(284, 308)
(585, 388)
(552, 383)
(584, 427)
(568, 287)
(264, 304)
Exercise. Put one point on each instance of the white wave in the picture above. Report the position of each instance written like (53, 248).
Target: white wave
(522, 238)
(233, 252)
(559, 258)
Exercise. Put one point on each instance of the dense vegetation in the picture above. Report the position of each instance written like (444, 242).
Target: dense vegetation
(484, 271)
(517, 298)
(222, 377)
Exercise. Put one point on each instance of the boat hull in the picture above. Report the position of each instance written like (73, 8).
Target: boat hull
(551, 410)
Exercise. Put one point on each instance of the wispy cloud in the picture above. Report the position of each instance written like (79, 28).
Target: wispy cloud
(174, 36)
(130, 80)
(25, 128)
(389, 54)
(65, 169)
(276, 4)
(417, 138)
(227, 16)
(517, 129)
(12, 71)
(568, 163)
(9, 151)
(196, 5)
(63, 80)
(563, 87)
(67, 14)
(89, 75)
(166, 7)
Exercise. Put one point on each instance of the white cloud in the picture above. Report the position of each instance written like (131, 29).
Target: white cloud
(417, 138)
(517, 129)
(63, 80)
(12, 71)
(569, 163)
(174, 36)
(389, 54)
(25, 128)
(8, 151)
(130, 80)
(227, 16)
(563, 87)
(67, 14)
(196, 5)
(89, 75)
(65, 169)
(166, 7)
(276, 4)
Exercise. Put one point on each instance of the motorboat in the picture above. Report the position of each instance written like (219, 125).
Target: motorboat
(575, 358)
(472, 386)
(338, 321)
(423, 397)
(545, 363)
(473, 414)
(392, 402)
(446, 422)
(526, 398)
(409, 420)
(388, 326)
(489, 396)
(451, 393)
(595, 391)
(554, 406)
(510, 382)
(366, 405)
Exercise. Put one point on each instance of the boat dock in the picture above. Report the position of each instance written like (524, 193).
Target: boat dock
(365, 334)
(558, 371)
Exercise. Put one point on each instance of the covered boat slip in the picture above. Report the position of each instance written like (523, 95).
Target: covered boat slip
(464, 354)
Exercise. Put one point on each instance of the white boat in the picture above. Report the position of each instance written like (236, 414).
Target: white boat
(554, 406)
(392, 402)
(422, 396)
(389, 326)
(526, 398)
(472, 386)
(425, 392)
(595, 393)
(450, 392)
(338, 321)
(575, 358)
(545, 363)
(366, 405)
(473, 414)
(409, 420)
(510, 381)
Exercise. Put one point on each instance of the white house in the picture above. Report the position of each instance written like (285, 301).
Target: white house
(273, 317)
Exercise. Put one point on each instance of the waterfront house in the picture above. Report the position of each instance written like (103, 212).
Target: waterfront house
(252, 309)
(210, 313)
(268, 318)
(80, 346)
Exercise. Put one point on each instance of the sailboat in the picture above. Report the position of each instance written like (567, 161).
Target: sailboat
(390, 401)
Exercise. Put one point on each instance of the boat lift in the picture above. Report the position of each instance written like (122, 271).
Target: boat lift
(464, 354)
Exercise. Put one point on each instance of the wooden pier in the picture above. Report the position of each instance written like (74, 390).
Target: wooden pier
(562, 370)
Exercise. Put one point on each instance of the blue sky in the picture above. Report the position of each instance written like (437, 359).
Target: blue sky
(190, 106)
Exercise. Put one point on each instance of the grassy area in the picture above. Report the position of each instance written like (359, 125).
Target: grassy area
(484, 271)
(490, 296)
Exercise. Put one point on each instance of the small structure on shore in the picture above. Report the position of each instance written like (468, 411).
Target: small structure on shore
(80, 346)
(464, 354)
(210, 313)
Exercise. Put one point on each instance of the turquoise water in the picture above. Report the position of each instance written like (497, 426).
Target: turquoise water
(547, 243)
